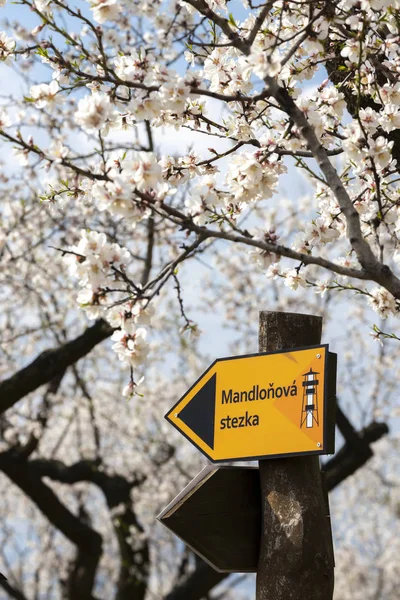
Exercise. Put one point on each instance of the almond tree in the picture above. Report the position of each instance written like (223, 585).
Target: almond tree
(101, 222)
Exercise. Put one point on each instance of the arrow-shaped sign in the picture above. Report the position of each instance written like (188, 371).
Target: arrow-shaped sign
(262, 405)
(218, 515)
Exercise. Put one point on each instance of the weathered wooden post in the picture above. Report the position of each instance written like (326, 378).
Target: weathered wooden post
(277, 407)
(296, 558)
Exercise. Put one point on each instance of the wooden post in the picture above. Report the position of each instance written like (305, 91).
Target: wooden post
(296, 557)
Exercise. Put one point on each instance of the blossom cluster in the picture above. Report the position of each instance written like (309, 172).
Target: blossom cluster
(99, 265)
(252, 177)
(155, 126)
(136, 172)
(137, 84)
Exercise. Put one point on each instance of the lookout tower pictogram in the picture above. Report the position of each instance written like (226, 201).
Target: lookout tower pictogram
(309, 410)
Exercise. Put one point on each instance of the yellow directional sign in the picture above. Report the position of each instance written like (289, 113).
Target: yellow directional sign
(262, 405)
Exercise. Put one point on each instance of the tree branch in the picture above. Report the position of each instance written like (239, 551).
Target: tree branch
(87, 540)
(307, 259)
(351, 456)
(258, 23)
(377, 271)
(51, 363)
(12, 591)
(134, 565)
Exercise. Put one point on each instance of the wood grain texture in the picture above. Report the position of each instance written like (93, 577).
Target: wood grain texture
(296, 558)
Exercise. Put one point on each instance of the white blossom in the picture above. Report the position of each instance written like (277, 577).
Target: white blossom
(104, 10)
(45, 94)
(131, 348)
(94, 111)
(5, 120)
(380, 151)
(57, 151)
(7, 47)
(294, 278)
(201, 199)
(273, 271)
(251, 178)
(262, 63)
(44, 6)
(321, 287)
(173, 95)
(142, 170)
(390, 118)
(382, 302)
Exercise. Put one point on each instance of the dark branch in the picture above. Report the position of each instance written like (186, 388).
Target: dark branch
(12, 591)
(198, 584)
(353, 455)
(134, 567)
(87, 540)
(51, 363)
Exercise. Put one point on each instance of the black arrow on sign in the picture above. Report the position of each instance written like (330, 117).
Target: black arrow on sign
(218, 516)
(199, 413)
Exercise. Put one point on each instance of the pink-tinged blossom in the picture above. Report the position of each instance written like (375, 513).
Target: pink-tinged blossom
(92, 302)
(332, 101)
(138, 171)
(173, 95)
(134, 66)
(221, 69)
(144, 106)
(201, 199)
(92, 259)
(389, 94)
(318, 232)
(369, 119)
(216, 5)
(262, 258)
(127, 392)
(355, 142)
(301, 243)
(239, 129)
(130, 315)
(349, 262)
(352, 50)
(116, 197)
